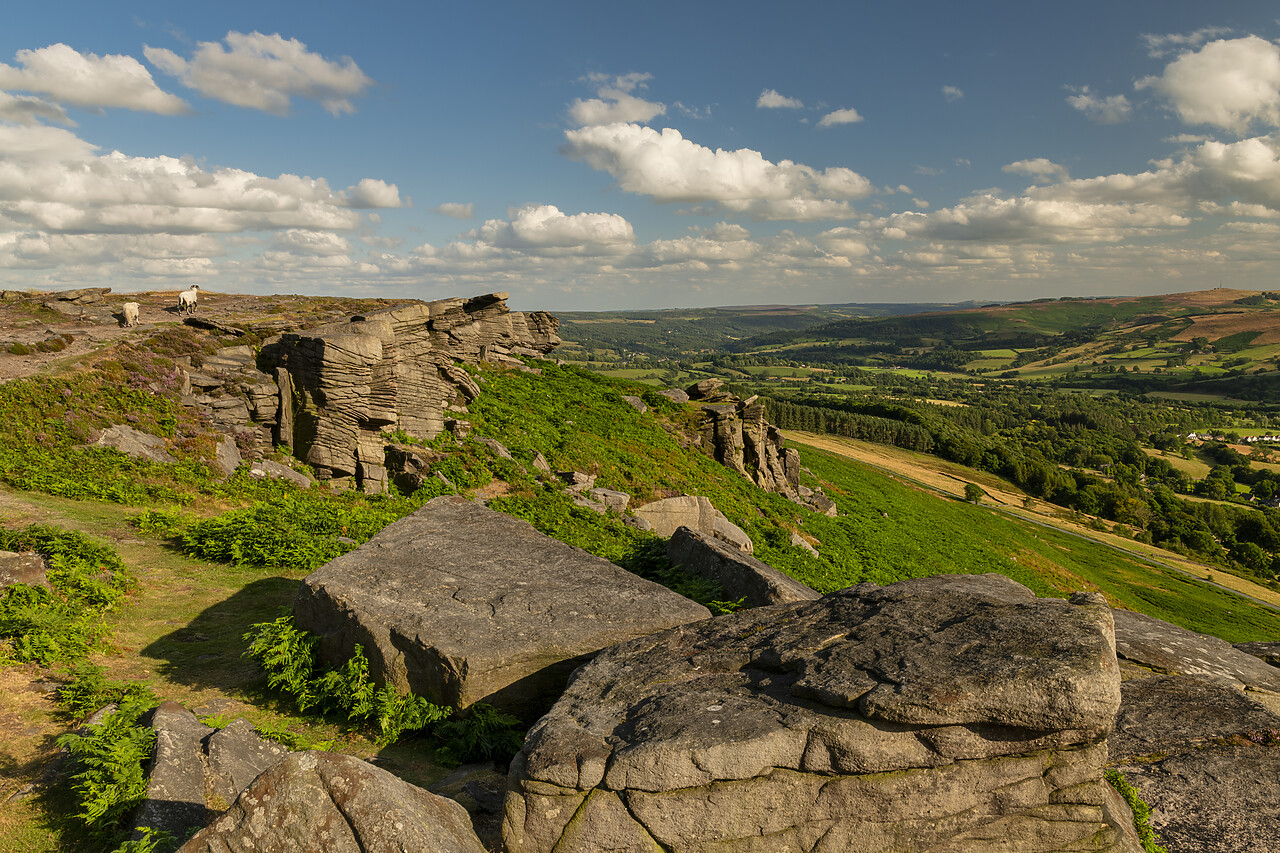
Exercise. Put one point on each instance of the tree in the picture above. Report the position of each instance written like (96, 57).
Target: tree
(973, 493)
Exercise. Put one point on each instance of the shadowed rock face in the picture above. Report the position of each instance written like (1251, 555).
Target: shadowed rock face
(944, 713)
(395, 369)
(459, 604)
(319, 801)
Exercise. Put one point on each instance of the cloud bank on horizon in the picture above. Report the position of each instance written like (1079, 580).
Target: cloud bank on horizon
(1151, 166)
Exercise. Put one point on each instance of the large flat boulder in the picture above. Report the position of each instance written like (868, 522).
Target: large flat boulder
(946, 713)
(1156, 645)
(319, 801)
(462, 604)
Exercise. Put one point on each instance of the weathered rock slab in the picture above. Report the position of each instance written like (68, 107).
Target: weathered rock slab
(460, 604)
(261, 469)
(319, 801)
(26, 569)
(740, 575)
(946, 713)
(696, 512)
(1159, 646)
(135, 443)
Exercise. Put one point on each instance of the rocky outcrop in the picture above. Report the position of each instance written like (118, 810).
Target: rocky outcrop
(461, 604)
(736, 434)
(946, 713)
(197, 771)
(396, 369)
(319, 801)
(666, 516)
(741, 576)
(1198, 734)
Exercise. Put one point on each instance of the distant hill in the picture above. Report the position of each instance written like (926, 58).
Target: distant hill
(692, 330)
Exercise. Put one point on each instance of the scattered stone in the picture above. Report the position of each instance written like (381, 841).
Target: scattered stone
(213, 326)
(338, 804)
(675, 395)
(261, 469)
(636, 522)
(740, 575)
(951, 712)
(81, 296)
(497, 447)
(461, 604)
(135, 443)
(615, 501)
(635, 403)
(26, 569)
(800, 542)
(587, 503)
(823, 504)
(460, 429)
(576, 480)
(540, 462)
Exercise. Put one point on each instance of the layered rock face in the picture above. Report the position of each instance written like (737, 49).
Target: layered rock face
(947, 713)
(737, 435)
(343, 384)
(459, 604)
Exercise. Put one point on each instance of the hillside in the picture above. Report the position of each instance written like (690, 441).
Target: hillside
(181, 563)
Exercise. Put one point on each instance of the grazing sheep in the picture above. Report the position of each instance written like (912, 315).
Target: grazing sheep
(187, 300)
(131, 317)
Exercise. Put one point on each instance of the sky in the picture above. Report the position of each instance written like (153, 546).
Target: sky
(594, 156)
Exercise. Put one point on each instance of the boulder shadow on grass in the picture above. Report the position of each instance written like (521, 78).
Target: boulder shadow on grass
(208, 652)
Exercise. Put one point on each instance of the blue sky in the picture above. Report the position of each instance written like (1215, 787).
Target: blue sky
(596, 155)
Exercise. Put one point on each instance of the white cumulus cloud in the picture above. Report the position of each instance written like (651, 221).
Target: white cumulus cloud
(1040, 169)
(832, 119)
(24, 109)
(615, 102)
(265, 72)
(456, 210)
(670, 168)
(952, 93)
(1109, 109)
(1160, 44)
(1227, 83)
(544, 229)
(771, 99)
(88, 80)
(371, 192)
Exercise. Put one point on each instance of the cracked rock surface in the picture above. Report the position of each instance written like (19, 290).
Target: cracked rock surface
(461, 604)
(319, 801)
(944, 713)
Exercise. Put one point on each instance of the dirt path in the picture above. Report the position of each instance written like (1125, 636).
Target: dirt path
(932, 472)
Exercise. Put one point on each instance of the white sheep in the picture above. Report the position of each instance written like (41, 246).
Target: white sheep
(131, 317)
(187, 299)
